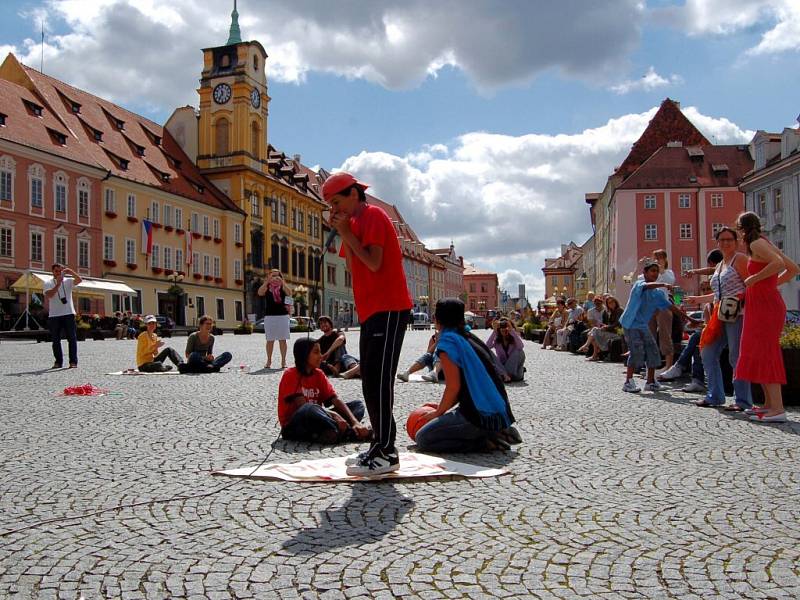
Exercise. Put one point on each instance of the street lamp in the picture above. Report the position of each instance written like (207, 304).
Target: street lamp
(423, 302)
(300, 296)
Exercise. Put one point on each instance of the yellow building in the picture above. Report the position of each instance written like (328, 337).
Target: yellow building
(227, 138)
(196, 263)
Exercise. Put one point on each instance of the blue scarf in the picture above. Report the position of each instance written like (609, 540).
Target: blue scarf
(487, 400)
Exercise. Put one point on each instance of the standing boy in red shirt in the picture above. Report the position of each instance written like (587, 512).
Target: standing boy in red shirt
(370, 245)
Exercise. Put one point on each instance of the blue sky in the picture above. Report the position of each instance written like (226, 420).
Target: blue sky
(472, 116)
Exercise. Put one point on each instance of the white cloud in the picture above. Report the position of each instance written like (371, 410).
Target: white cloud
(510, 201)
(647, 83)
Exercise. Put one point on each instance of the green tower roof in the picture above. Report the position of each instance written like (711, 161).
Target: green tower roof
(234, 36)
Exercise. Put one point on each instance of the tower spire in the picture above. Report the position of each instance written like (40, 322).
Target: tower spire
(234, 36)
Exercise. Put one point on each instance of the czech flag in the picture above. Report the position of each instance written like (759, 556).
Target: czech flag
(147, 237)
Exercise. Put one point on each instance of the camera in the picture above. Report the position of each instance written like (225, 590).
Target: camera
(63, 300)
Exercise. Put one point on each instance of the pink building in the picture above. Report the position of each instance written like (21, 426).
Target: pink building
(481, 289)
(49, 196)
(454, 271)
(676, 200)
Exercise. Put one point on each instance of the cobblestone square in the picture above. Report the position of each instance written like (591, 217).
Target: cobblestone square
(611, 495)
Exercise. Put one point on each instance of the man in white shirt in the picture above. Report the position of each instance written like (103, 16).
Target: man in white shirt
(61, 313)
(594, 316)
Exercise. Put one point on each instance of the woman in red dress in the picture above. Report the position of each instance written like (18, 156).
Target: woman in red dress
(760, 358)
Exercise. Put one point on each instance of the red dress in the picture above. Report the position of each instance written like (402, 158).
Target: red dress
(760, 357)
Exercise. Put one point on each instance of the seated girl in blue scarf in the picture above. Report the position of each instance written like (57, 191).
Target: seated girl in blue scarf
(473, 414)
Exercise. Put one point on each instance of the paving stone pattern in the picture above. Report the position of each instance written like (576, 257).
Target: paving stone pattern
(611, 495)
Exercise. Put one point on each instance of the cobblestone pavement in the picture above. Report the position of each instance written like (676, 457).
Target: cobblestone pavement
(611, 495)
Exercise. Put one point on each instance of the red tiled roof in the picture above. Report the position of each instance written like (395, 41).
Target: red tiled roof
(669, 124)
(97, 114)
(671, 167)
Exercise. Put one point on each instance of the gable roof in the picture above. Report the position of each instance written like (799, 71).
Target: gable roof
(669, 124)
(675, 167)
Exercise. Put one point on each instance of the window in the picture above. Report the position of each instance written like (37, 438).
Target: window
(6, 242)
(687, 262)
(283, 213)
(131, 208)
(684, 201)
(316, 227)
(179, 218)
(294, 218)
(348, 279)
(206, 265)
(237, 309)
(715, 228)
(237, 233)
(156, 256)
(217, 272)
(61, 249)
(285, 257)
(167, 215)
(110, 200)
(301, 220)
(237, 269)
(294, 260)
(216, 229)
(761, 208)
(254, 139)
(83, 199)
(108, 247)
(6, 187)
(205, 225)
(37, 187)
(686, 231)
(200, 303)
(310, 224)
(83, 254)
(60, 195)
(195, 262)
(195, 222)
(221, 136)
(37, 247)
(650, 232)
(331, 274)
(155, 212)
(301, 261)
(472, 288)
(716, 200)
(220, 309)
(255, 205)
(167, 257)
(777, 200)
(130, 252)
(649, 202)
(554, 281)
(274, 209)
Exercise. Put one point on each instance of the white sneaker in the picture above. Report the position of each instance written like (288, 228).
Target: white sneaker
(631, 387)
(653, 387)
(695, 386)
(674, 372)
(403, 376)
(431, 377)
(377, 464)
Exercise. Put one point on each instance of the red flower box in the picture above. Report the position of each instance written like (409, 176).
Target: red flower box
(181, 273)
(168, 228)
(218, 279)
(239, 244)
(196, 235)
(217, 240)
(167, 271)
(133, 219)
(179, 231)
(238, 281)
(209, 278)
(111, 214)
(157, 270)
(156, 225)
(110, 263)
(207, 238)
(197, 276)
(132, 266)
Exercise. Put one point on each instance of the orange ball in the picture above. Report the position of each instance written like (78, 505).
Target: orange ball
(415, 419)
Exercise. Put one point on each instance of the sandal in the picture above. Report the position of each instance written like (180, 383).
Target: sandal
(704, 404)
(734, 408)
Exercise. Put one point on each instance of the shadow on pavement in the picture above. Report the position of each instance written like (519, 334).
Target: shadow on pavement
(37, 372)
(371, 512)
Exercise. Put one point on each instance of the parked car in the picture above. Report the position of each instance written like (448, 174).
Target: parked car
(165, 322)
(420, 320)
(259, 325)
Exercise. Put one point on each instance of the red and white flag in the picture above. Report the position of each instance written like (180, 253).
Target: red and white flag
(147, 237)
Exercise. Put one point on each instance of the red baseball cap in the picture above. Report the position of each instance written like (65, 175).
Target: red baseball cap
(339, 182)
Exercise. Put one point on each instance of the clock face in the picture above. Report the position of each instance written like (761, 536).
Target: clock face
(222, 93)
(255, 98)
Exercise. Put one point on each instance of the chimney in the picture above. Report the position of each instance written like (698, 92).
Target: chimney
(296, 158)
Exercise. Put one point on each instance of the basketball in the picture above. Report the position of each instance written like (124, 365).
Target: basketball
(415, 421)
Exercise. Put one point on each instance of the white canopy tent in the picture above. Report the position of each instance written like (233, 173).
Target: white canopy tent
(34, 281)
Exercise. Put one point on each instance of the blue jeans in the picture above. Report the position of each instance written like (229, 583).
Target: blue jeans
(312, 423)
(731, 334)
(66, 324)
(199, 359)
(451, 432)
(690, 358)
(429, 359)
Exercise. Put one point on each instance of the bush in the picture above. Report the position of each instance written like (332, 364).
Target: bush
(790, 339)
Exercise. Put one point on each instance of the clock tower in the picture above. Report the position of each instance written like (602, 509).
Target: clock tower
(232, 124)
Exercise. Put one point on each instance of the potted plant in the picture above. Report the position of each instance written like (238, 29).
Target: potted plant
(218, 280)
(157, 270)
(167, 271)
(209, 278)
(133, 219)
(239, 244)
(197, 276)
(196, 235)
(156, 225)
(81, 327)
(238, 281)
(217, 240)
(110, 263)
(207, 238)
(246, 328)
(790, 347)
(179, 231)
(168, 228)
(111, 214)
(132, 266)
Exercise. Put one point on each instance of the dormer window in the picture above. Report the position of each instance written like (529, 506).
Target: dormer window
(120, 125)
(140, 150)
(2, 119)
(98, 135)
(157, 140)
(35, 109)
(255, 63)
(165, 177)
(123, 164)
(58, 137)
(76, 108)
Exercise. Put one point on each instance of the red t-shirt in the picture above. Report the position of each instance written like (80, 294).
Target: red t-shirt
(315, 388)
(385, 289)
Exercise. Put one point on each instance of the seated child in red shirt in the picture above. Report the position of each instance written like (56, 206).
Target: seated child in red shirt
(309, 409)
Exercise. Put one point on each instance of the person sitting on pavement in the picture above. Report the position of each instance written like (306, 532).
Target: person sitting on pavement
(335, 359)
(601, 336)
(554, 323)
(429, 360)
(148, 358)
(121, 326)
(645, 299)
(508, 349)
(473, 414)
(574, 316)
(200, 350)
(309, 409)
